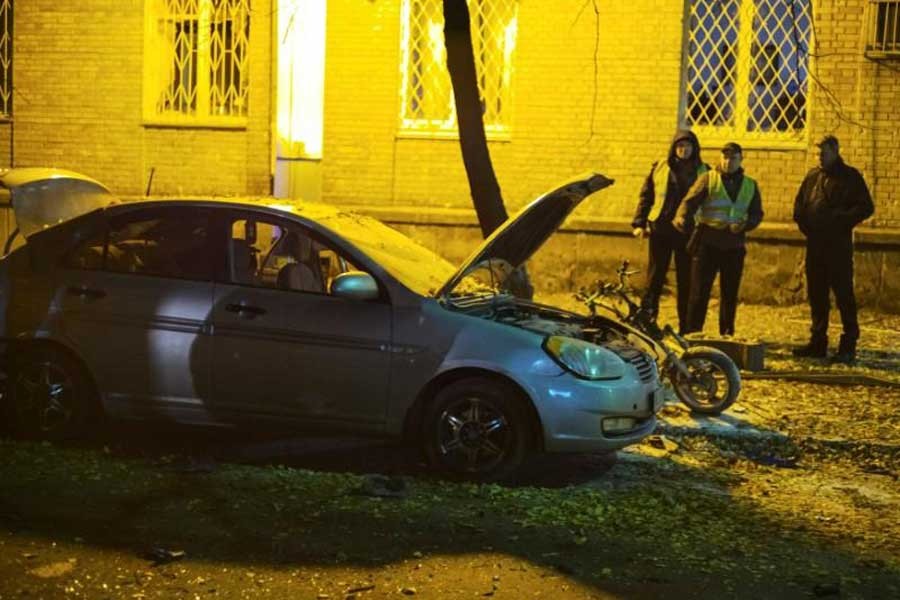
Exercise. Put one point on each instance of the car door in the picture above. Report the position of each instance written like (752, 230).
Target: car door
(134, 301)
(282, 346)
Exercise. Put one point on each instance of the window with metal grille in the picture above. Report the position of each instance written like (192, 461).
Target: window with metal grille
(427, 95)
(746, 74)
(884, 28)
(6, 22)
(196, 63)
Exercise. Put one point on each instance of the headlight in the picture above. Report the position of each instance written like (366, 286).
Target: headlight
(585, 360)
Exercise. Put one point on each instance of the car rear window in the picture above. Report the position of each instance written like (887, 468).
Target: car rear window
(169, 242)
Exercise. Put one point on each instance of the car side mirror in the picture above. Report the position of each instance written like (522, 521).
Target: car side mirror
(354, 285)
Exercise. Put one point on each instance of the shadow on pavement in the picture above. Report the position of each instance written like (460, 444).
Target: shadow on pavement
(200, 450)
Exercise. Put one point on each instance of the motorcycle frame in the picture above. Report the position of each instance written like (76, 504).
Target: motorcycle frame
(671, 362)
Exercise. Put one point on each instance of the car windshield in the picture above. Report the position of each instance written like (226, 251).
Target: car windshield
(488, 277)
(413, 265)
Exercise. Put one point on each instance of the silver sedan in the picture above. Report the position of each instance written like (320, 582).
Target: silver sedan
(292, 315)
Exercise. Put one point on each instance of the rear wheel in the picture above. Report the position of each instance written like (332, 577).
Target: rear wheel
(49, 396)
(477, 428)
(714, 382)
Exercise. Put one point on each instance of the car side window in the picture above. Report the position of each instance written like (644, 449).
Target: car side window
(277, 254)
(88, 254)
(168, 242)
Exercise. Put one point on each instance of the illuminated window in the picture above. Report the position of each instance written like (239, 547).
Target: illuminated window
(427, 95)
(747, 69)
(195, 60)
(884, 27)
(6, 21)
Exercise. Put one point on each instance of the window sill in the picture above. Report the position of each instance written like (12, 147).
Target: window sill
(881, 54)
(708, 142)
(237, 124)
(448, 135)
(717, 136)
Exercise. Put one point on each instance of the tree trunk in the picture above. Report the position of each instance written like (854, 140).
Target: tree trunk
(483, 184)
(477, 159)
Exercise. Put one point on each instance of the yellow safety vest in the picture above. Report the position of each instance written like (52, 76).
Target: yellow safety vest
(661, 184)
(718, 211)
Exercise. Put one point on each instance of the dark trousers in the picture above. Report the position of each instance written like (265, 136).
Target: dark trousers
(664, 242)
(829, 267)
(708, 261)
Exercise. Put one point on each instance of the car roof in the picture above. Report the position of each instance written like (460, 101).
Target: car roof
(313, 211)
(325, 218)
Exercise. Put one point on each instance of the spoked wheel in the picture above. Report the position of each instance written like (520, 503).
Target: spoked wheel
(714, 383)
(477, 428)
(49, 396)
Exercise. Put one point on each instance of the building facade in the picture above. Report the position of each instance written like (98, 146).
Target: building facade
(190, 97)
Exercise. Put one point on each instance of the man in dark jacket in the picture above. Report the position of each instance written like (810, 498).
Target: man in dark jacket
(660, 197)
(725, 204)
(833, 199)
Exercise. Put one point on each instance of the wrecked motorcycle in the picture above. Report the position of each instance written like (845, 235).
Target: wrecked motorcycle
(703, 378)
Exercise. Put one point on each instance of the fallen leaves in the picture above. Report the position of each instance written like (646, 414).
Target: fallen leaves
(55, 569)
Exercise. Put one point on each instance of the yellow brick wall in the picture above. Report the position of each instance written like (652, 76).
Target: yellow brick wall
(78, 69)
(566, 120)
(78, 74)
(6, 130)
(553, 92)
(868, 123)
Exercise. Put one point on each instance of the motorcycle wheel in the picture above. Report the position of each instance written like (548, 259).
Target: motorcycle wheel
(714, 383)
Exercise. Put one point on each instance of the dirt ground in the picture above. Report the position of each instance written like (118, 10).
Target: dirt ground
(792, 493)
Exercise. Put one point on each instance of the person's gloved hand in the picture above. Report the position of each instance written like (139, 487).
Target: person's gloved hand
(737, 227)
(640, 232)
(680, 225)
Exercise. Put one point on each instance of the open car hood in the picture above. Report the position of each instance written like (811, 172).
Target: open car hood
(43, 197)
(519, 237)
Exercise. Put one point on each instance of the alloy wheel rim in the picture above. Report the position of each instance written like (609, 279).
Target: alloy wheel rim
(706, 381)
(474, 434)
(45, 397)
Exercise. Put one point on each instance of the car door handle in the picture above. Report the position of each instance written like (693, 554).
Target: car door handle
(85, 292)
(245, 310)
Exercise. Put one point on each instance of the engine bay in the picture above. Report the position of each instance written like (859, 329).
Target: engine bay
(545, 320)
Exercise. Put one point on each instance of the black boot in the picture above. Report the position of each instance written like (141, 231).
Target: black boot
(816, 348)
(846, 353)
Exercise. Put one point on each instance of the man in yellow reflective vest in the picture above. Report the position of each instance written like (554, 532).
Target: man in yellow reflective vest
(665, 186)
(725, 204)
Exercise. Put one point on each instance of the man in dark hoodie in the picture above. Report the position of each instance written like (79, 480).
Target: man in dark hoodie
(832, 200)
(663, 190)
(725, 204)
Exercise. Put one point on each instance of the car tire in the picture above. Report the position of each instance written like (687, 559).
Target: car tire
(478, 429)
(50, 396)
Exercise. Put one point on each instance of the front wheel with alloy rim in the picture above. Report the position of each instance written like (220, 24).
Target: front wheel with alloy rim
(477, 428)
(50, 396)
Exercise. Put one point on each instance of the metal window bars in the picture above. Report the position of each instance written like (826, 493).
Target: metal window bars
(427, 104)
(883, 28)
(202, 48)
(6, 23)
(746, 73)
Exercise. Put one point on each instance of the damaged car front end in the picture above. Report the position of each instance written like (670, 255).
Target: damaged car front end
(598, 390)
(594, 383)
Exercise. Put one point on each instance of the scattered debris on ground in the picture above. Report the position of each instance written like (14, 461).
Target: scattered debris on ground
(792, 493)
